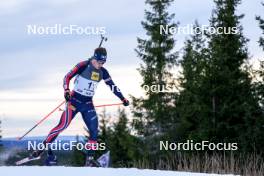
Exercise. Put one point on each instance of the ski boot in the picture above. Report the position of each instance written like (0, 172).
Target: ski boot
(91, 162)
(36, 154)
(51, 159)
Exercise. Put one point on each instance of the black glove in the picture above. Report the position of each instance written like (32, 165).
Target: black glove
(67, 95)
(125, 102)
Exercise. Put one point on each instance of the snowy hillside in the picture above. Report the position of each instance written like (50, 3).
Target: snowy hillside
(84, 171)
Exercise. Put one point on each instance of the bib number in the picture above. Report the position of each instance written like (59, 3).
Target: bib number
(85, 87)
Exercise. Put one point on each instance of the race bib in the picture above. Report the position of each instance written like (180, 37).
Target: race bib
(84, 86)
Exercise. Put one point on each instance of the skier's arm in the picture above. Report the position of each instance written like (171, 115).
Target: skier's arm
(73, 72)
(108, 81)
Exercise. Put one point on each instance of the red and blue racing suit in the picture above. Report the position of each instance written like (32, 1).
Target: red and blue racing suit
(86, 79)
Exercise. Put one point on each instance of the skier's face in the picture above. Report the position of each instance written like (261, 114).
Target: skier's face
(97, 64)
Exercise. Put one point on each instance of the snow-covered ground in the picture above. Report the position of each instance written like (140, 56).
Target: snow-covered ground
(85, 171)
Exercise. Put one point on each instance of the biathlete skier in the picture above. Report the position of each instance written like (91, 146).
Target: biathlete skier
(87, 75)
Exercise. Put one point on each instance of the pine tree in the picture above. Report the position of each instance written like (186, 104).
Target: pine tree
(105, 130)
(154, 114)
(122, 142)
(190, 104)
(234, 111)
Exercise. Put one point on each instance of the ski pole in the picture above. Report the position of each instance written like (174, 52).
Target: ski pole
(97, 106)
(19, 138)
(44, 118)
(115, 104)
